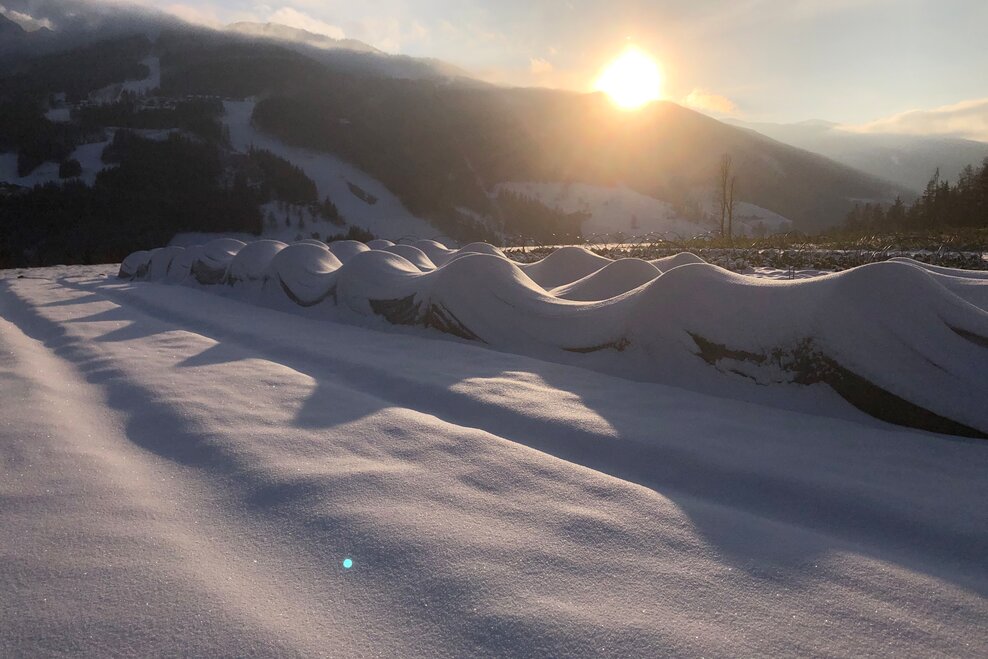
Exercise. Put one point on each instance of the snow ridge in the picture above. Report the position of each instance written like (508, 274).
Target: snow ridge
(901, 342)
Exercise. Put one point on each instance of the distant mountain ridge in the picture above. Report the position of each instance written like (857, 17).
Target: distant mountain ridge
(13, 37)
(348, 55)
(11, 29)
(907, 160)
(279, 32)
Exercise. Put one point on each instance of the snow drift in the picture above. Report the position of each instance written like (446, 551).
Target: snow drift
(903, 343)
(175, 459)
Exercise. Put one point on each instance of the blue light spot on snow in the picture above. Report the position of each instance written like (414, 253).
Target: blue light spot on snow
(347, 563)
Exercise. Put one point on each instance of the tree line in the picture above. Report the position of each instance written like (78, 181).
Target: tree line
(154, 190)
(525, 216)
(942, 205)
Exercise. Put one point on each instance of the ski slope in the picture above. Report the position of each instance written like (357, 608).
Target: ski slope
(184, 473)
(387, 218)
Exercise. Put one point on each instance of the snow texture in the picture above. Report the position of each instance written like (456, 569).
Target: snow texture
(183, 474)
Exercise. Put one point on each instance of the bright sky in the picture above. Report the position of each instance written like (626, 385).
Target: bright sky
(849, 61)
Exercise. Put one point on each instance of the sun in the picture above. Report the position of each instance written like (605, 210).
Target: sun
(631, 80)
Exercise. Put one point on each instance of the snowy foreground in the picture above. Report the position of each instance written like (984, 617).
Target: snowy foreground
(185, 466)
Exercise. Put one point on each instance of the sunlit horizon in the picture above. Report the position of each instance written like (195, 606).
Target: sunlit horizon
(717, 58)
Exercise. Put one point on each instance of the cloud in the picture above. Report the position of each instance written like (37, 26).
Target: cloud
(704, 101)
(967, 119)
(26, 21)
(391, 34)
(294, 18)
(540, 67)
(196, 15)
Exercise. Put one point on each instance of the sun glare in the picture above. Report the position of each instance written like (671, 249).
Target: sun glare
(631, 80)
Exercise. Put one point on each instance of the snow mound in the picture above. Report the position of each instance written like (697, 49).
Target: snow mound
(303, 272)
(669, 262)
(940, 270)
(887, 337)
(211, 264)
(135, 265)
(970, 285)
(413, 255)
(379, 243)
(344, 250)
(251, 262)
(181, 265)
(377, 280)
(610, 281)
(313, 241)
(896, 341)
(565, 265)
(480, 248)
(436, 251)
(161, 261)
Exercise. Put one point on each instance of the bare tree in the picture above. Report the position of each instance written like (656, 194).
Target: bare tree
(723, 189)
(726, 183)
(730, 207)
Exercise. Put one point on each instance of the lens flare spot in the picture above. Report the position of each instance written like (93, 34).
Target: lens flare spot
(347, 563)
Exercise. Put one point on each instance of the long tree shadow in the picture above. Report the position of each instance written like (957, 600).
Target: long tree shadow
(783, 482)
(70, 302)
(160, 429)
(157, 429)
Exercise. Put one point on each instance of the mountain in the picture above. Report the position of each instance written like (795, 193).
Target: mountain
(15, 39)
(9, 29)
(347, 55)
(447, 146)
(442, 147)
(279, 32)
(77, 24)
(907, 160)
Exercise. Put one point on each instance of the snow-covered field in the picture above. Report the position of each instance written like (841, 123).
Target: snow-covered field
(186, 467)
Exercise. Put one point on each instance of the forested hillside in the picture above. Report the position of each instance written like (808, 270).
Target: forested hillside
(942, 205)
(439, 145)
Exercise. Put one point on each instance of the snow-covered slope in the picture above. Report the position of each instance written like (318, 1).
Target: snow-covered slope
(387, 217)
(897, 341)
(184, 474)
(612, 209)
(112, 93)
(88, 155)
(618, 209)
